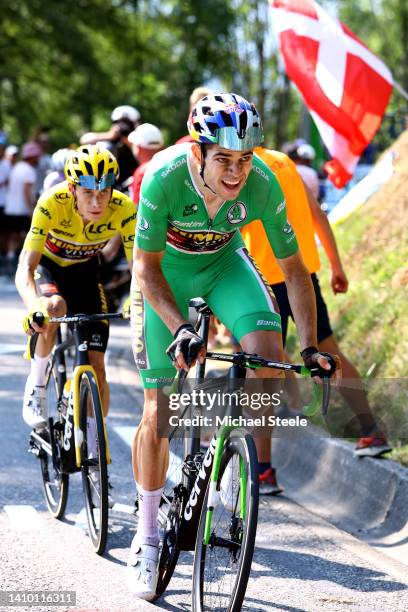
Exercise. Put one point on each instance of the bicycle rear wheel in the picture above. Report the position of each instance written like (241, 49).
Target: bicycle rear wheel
(55, 482)
(93, 462)
(221, 569)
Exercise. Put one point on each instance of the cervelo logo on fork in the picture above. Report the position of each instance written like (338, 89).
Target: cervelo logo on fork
(192, 502)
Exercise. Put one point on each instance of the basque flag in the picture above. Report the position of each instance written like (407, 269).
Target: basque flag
(344, 85)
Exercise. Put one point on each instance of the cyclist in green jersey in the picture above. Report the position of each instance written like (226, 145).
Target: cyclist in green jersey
(194, 198)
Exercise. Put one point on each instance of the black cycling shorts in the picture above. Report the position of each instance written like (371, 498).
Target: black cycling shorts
(324, 329)
(82, 290)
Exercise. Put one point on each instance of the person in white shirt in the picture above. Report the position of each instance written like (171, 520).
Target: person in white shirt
(20, 198)
(303, 157)
(5, 168)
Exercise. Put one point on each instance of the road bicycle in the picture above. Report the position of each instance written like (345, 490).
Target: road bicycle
(74, 438)
(210, 499)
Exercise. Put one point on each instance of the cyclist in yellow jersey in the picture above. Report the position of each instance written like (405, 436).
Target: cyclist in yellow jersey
(307, 218)
(58, 267)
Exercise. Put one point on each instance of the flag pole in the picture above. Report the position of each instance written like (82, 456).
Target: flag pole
(401, 90)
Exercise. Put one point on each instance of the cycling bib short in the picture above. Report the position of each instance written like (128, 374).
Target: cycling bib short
(204, 257)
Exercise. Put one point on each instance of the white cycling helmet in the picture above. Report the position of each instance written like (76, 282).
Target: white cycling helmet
(306, 151)
(147, 136)
(59, 158)
(125, 112)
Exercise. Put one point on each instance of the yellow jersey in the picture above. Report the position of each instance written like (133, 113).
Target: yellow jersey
(298, 214)
(59, 232)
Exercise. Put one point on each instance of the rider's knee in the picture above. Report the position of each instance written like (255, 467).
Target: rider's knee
(56, 306)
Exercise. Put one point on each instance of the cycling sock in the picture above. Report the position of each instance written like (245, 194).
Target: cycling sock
(38, 369)
(91, 437)
(147, 529)
(263, 466)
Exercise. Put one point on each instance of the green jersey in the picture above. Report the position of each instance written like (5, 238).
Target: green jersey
(173, 216)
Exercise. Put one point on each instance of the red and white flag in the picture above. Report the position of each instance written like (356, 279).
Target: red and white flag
(344, 85)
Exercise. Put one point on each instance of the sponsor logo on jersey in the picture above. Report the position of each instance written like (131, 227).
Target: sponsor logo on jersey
(37, 231)
(99, 229)
(237, 213)
(173, 166)
(147, 203)
(114, 203)
(190, 209)
(45, 212)
(142, 224)
(189, 185)
(129, 219)
(62, 232)
(63, 195)
(287, 228)
(261, 173)
(281, 207)
(66, 223)
(70, 251)
(191, 224)
(197, 241)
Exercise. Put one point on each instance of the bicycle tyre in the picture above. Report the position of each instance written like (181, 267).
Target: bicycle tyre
(245, 533)
(94, 469)
(55, 483)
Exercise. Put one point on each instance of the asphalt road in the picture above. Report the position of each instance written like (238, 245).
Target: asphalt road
(301, 563)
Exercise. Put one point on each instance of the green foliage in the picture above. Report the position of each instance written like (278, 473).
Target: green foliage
(66, 65)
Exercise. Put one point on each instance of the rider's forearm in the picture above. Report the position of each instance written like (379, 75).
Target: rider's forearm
(324, 231)
(25, 283)
(303, 304)
(157, 292)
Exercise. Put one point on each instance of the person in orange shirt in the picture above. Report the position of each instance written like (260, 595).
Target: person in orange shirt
(307, 218)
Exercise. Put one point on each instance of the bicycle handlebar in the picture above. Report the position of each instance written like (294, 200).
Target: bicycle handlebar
(39, 318)
(321, 392)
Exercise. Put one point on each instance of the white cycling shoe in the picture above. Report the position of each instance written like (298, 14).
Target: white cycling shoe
(141, 570)
(34, 405)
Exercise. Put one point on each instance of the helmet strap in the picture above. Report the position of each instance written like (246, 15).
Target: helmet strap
(203, 150)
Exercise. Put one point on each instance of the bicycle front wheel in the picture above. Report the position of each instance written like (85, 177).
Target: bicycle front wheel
(93, 462)
(221, 568)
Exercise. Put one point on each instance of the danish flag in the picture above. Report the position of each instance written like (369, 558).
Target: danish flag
(344, 85)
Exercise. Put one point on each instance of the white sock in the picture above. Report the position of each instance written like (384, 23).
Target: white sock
(38, 369)
(91, 437)
(147, 529)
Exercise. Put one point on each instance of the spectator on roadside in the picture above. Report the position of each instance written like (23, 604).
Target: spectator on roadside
(307, 218)
(124, 119)
(20, 199)
(146, 140)
(303, 157)
(56, 175)
(44, 163)
(5, 168)
(12, 154)
(196, 95)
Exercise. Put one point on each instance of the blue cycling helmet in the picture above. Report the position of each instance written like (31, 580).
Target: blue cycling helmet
(226, 119)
